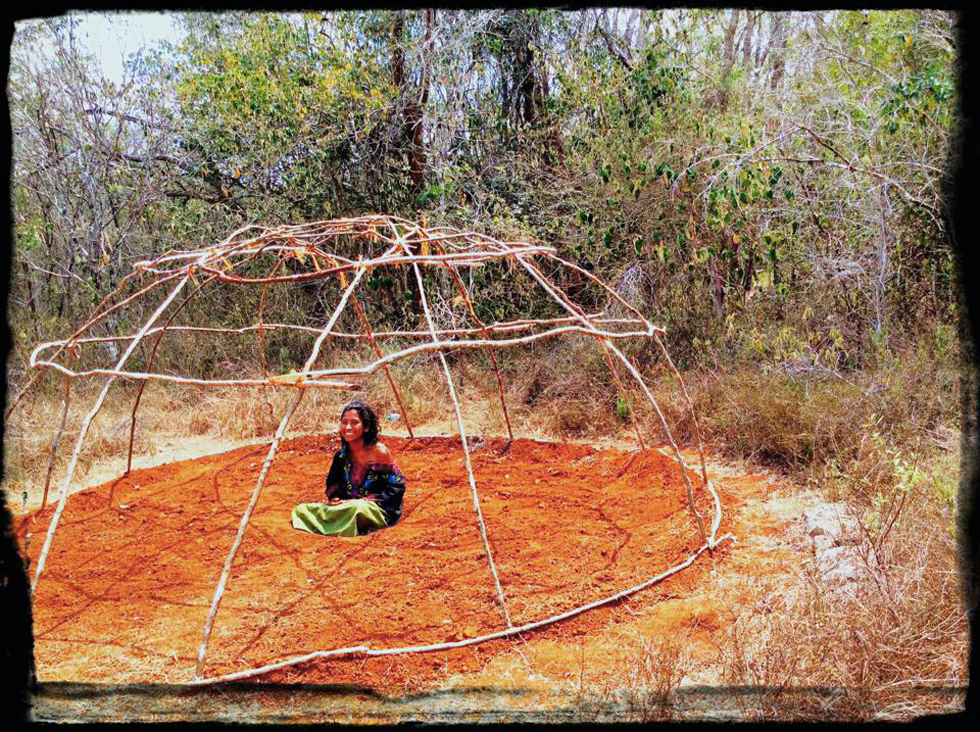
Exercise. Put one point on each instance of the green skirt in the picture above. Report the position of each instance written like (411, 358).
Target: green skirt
(347, 518)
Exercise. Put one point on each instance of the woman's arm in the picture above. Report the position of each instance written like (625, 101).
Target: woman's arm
(334, 484)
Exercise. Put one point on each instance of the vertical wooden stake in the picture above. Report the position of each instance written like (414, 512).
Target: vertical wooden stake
(486, 334)
(86, 423)
(377, 352)
(466, 451)
(57, 439)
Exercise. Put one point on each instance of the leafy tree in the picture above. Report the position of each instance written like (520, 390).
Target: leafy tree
(722, 168)
(276, 112)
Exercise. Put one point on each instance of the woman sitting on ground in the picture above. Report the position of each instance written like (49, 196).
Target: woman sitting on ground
(364, 487)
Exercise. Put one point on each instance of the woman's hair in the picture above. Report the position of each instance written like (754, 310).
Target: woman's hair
(368, 419)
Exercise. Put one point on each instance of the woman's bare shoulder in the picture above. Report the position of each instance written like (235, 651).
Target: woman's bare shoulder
(381, 453)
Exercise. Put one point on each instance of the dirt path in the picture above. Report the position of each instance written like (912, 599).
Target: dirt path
(134, 562)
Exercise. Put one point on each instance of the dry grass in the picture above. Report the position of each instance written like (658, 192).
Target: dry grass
(654, 679)
(802, 423)
(891, 646)
(28, 439)
(891, 643)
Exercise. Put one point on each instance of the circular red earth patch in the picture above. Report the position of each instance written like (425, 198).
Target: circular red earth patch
(134, 562)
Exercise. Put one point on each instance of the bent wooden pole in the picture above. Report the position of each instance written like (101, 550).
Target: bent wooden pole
(466, 258)
(466, 452)
(149, 365)
(690, 406)
(369, 369)
(483, 328)
(70, 472)
(62, 345)
(97, 316)
(266, 464)
(708, 539)
(284, 380)
(579, 315)
(655, 332)
(361, 651)
(505, 327)
(242, 524)
(55, 441)
(559, 296)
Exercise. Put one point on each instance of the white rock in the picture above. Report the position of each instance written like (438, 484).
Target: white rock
(836, 542)
(831, 519)
(838, 562)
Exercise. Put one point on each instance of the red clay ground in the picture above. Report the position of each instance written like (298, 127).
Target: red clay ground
(134, 561)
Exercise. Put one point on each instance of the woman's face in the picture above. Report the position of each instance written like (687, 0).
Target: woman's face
(351, 427)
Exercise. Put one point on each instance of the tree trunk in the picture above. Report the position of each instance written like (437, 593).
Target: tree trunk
(411, 126)
(717, 286)
(527, 78)
(747, 41)
(727, 61)
(778, 45)
(882, 256)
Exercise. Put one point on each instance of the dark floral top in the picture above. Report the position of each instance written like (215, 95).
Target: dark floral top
(382, 483)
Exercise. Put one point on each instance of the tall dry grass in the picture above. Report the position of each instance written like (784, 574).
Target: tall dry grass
(891, 646)
(885, 442)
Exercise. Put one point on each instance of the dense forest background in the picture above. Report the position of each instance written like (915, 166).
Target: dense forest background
(768, 186)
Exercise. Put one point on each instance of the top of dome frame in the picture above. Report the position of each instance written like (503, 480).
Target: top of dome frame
(395, 242)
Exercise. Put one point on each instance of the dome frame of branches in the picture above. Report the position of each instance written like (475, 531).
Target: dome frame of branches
(388, 242)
